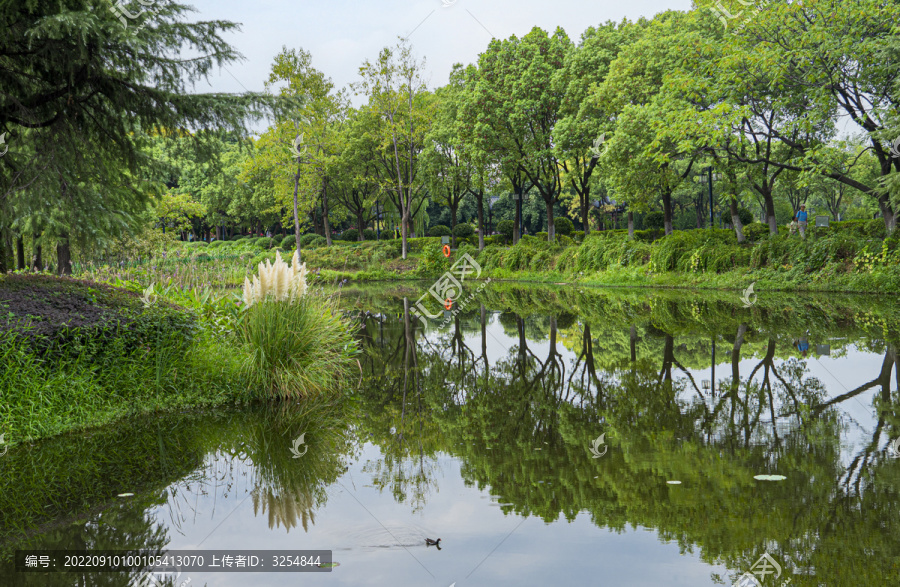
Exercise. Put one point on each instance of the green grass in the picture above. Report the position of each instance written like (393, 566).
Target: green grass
(125, 357)
(299, 349)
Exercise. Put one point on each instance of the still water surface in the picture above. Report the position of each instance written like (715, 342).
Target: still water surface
(539, 434)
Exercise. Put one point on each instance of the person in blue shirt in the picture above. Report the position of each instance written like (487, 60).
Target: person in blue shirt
(801, 217)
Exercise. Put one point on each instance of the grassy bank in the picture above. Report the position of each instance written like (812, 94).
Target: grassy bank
(854, 256)
(76, 354)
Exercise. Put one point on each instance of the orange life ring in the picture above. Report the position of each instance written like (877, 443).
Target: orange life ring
(448, 303)
(446, 250)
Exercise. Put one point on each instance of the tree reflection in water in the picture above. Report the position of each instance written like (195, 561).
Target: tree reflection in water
(629, 367)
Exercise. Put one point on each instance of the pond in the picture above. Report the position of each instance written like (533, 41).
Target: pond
(548, 435)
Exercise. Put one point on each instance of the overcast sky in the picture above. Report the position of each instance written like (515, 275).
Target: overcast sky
(340, 34)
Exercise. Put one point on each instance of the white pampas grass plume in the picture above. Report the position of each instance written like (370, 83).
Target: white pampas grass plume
(248, 292)
(282, 281)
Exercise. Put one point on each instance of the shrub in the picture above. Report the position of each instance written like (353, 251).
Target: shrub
(565, 240)
(368, 234)
(563, 225)
(317, 241)
(433, 261)
(351, 234)
(216, 244)
(288, 242)
(506, 228)
(264, 242)
(645, 236)
(746, 216)
(756, 231)
(463, 230)
(579, 235)
(653, 220)
(308, 238)
(438, 230)
(542, 235)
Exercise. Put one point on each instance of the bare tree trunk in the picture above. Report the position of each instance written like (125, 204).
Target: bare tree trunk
(325, 212)
(296, 216)
(517, 227)
(585, 211)
(736, 220)
(551, 227)
(667, 211)
(64, 255)
(481, 224)
(770, 211)
(630, 225)
(20, 253)
(37, 262)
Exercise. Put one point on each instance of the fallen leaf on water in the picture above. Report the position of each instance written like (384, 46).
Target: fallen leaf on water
(769, 477)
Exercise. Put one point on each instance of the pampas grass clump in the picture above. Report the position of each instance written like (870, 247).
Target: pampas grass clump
(277, 281)
(299, 344)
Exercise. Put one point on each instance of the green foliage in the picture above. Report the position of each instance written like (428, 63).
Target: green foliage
(756, 231)
(563, 225)
(506, 228)
(297, 350)
(684, 250)
(463, 230)
(369, 234)
(433, 262)
(439, 230)
(646, 236)
(579, 235)
(317, 241)
(308, 238)
(542, 235)
(289, 242)
(265, 242)
(351, 234)
(654, 220)
(216, 244)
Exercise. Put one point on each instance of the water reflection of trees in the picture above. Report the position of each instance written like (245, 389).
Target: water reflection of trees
(168, 462)
(522, 425)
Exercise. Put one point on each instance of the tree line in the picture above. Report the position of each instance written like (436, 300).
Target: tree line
(775, 107)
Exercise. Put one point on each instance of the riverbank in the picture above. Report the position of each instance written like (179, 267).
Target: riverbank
(77, 354)
(847, 257)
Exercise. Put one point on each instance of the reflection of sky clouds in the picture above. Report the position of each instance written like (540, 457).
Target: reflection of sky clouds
(536, 553)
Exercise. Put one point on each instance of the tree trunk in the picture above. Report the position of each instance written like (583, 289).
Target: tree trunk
(453, 211)
(770, 211)
(37, 262)
(296, 216)
(700, 211)
(517, 227)
(480, 222)
(5, 251)
(890, 219)
(325, 211)
(551, 227)
(585, 210)
(64, 255)
(359, 217)
(404, 231)
(20, 253)
(667, 212)
(736, 220)
(630, 225)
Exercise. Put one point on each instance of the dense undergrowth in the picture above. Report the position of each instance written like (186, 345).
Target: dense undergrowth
(77, 354)
(848, 256)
